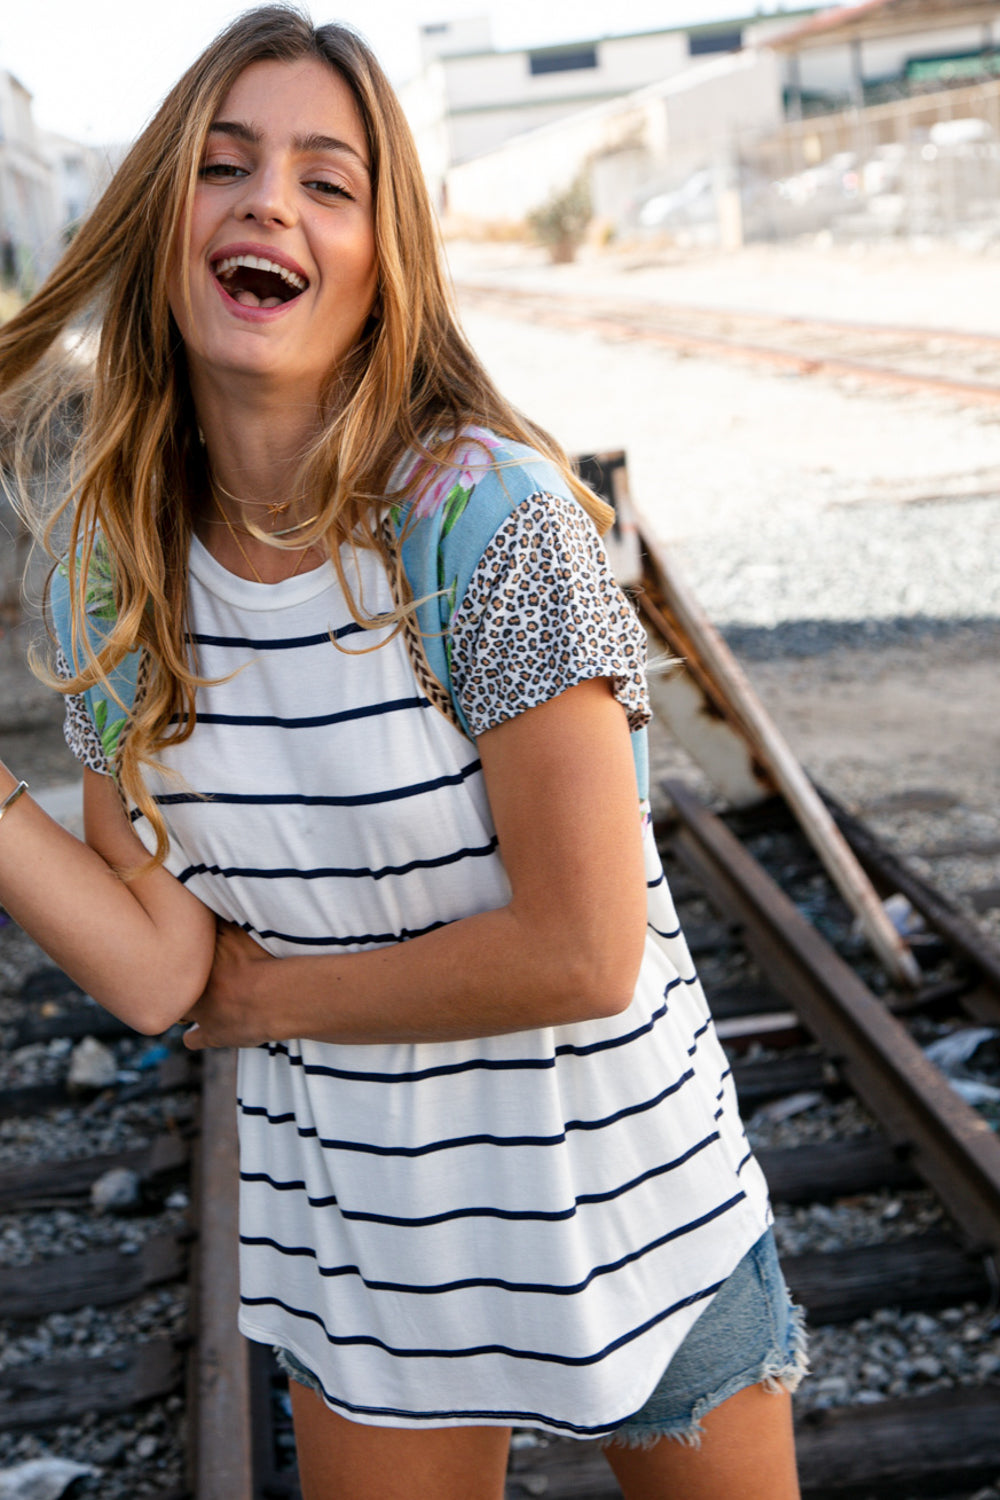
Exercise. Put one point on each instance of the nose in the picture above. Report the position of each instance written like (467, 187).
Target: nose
(268, 198)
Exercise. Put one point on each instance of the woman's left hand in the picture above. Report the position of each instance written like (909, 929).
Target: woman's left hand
(226, 1015)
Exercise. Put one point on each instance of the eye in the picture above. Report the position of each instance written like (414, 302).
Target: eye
(327, 189)
(220, 171)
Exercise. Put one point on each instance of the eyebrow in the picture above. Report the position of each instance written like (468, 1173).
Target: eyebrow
(253, 135)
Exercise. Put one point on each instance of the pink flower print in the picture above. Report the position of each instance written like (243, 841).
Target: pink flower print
(463, 471)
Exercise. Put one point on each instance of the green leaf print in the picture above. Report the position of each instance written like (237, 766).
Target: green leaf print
(454, 506)
(100, 594)
(109, 730)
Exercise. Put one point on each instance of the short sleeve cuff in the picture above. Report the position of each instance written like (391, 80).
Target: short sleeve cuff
(542, 613)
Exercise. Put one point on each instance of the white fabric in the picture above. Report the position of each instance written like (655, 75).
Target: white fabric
(513, 1229)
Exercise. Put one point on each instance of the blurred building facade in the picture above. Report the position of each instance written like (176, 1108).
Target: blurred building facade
(870, 118)
(893, 123)
(47, 183)
(27, 209)
(879, 50)
(469, 99)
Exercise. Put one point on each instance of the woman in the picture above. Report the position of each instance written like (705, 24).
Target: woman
(492, 1171)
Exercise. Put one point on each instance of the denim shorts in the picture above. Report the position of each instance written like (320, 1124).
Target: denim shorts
(750, 1334)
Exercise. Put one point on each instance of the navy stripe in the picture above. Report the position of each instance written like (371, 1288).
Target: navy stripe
(652, 884)
(284, 643)
(416, 1075)
(351, 940)
(299, 799)
(483, 1064)
(497, 1283)
(453, 1143)
(748, 1157)
(333, 872)
(697, 1037)
(347, 1340)
(660, 933)
(465, 1414)
(316, 721)
(513, 1215)
(470, 1065)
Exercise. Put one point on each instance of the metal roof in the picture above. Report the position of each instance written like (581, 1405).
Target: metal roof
(883, 18)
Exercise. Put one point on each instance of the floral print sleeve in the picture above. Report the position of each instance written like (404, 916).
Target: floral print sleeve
(542, 612)
(78, 727)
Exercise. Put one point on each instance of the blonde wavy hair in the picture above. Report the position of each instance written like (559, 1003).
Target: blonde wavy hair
(109, 423)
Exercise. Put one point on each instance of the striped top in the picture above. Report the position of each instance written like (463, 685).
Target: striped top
(515, 1229)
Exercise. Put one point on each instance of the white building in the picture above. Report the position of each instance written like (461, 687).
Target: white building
(28, 229)
(630, 147)
(861, 53)
(470, 99)
(79, 175)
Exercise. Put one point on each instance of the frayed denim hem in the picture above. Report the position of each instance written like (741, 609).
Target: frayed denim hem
(776, 1375)
(790, 1375)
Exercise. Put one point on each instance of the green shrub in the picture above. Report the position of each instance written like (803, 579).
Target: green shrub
(561, 221)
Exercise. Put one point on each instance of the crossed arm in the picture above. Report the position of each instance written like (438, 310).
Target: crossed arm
(567, 946)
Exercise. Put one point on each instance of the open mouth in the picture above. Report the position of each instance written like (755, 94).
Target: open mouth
(254, 281)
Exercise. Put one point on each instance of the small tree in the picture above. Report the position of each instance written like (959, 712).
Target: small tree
(561, 221)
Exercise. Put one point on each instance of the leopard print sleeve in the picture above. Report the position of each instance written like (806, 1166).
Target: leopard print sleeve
(542, 612)
(78, 728)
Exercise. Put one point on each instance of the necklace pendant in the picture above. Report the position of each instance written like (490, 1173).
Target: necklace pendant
(277, 509)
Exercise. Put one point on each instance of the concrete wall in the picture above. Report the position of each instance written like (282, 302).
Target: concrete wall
(655, 133)
(463, 106)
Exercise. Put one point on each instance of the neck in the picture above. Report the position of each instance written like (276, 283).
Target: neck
(253, 450)
(255, 433)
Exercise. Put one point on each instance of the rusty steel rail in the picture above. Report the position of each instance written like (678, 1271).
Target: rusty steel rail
(894, 874)
(654, 323)
(927, 1123)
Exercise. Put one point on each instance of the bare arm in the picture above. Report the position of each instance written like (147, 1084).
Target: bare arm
(143, 948)
(567, 947)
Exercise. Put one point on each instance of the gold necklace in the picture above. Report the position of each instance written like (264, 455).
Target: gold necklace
(246, 556)
(274, 508)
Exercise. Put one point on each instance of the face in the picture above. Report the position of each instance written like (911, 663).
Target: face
(282, 252)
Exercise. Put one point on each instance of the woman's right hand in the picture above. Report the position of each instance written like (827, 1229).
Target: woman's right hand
(232, 1011)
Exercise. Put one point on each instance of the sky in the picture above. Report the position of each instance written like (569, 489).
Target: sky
(97, 70)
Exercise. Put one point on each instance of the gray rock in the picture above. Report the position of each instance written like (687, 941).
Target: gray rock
(41, 1479)
(116, 1191)
(92, 1065)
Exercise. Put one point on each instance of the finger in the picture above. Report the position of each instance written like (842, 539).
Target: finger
(193, 1038)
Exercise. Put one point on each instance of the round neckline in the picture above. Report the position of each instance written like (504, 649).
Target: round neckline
(247, 592)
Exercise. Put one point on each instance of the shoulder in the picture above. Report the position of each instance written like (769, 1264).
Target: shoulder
(455, 507)
(495, 473)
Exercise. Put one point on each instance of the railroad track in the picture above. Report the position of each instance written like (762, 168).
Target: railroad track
(799, 1020)
(954, 363)
(117, 1266)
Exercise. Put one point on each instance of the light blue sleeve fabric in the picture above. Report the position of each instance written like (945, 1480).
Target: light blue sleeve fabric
(456, 513)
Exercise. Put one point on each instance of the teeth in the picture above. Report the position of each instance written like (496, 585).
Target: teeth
(260, 263)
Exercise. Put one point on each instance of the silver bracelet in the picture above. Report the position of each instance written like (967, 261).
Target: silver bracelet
(11, 797)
